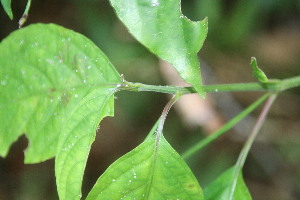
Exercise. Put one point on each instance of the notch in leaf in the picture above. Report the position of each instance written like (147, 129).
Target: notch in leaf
(56, 86)
(165, 31)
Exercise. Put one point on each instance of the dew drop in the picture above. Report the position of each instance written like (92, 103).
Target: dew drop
(50, 61)
(21, 42)
(3, 82)
(76, 95)
(113, 180)
(155, 3)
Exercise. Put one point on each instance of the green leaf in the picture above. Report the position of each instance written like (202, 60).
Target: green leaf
(221, 186)
(7, 7)
(257, 72)
(55, 87)
(162, 28)
(150, 171)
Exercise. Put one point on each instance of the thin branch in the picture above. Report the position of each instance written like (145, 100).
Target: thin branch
(201, 144)
(273, 86)
(243, 155)
(164, 116)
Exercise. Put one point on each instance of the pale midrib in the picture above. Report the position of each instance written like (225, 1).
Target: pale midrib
(152, 170)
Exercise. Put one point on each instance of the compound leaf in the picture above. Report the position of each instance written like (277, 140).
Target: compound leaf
(161, 27)
(55, 87)
(7, 7)
(221, 186)
(153, 170)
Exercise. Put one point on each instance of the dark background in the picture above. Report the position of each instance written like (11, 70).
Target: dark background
(238, 29)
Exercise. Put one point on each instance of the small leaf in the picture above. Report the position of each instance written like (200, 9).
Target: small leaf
(150, 171)
(220, 188)
(257, 72)
(161, 27)
(7, 7)
(55, 87)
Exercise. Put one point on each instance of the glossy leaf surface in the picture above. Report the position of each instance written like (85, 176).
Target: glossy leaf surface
(221, 186)
(55, 87)
(7, 7)
(150, 171)
(164, 30)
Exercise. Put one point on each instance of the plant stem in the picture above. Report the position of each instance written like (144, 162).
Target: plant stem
(272, 86)
(243, 155)
(198, 146)
(164, 116)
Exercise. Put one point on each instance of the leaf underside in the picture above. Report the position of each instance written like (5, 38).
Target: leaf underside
(55, 87)
(161, 27)
(148, 172)
(220, 187)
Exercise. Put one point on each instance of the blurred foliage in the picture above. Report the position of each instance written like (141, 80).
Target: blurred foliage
(238, 30)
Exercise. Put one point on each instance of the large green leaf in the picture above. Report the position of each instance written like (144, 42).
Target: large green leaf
(161, 27)
(153, 170)
(7, 7)
(221, 186)
(55, 87)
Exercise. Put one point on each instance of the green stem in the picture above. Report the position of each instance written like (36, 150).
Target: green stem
(25, 14)
(195, 148)
(243, 155)
(273, 86)
(164, 116)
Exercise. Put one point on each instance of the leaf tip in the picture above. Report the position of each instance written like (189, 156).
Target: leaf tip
(7, 8)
